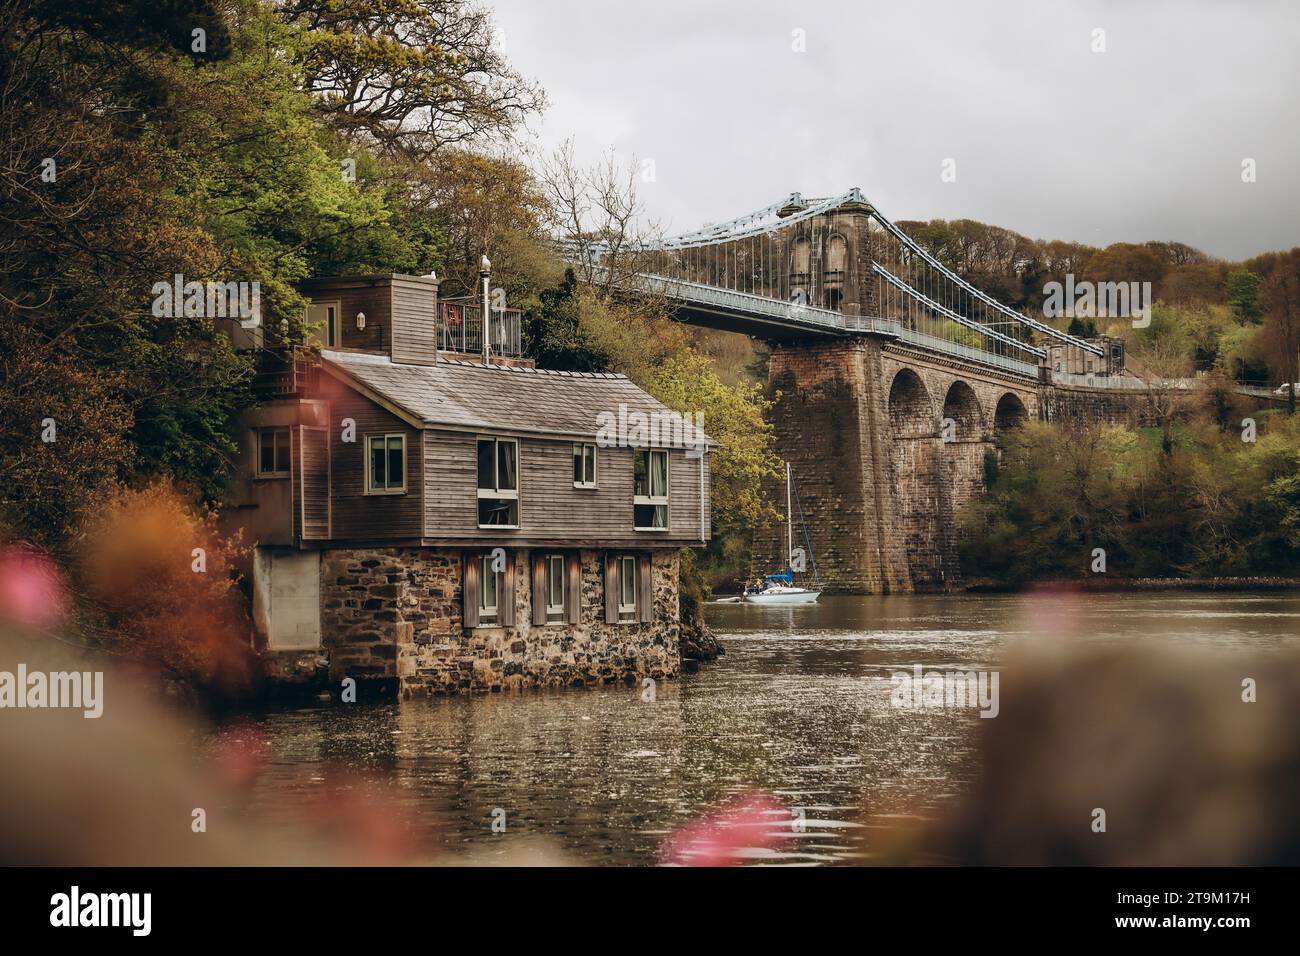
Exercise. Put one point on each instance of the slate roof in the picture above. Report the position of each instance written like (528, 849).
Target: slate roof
(469, 395)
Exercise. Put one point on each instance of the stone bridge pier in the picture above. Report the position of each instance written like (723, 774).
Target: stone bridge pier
(887, 444)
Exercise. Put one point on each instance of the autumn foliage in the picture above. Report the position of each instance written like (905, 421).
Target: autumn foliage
(158, 579)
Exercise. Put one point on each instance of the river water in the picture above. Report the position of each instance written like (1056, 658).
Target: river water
(798, 709)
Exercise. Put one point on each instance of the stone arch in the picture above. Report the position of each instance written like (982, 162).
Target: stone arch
(837, 253)
(911, 415)
(835, 264)
(963, 407)
(1010, 413)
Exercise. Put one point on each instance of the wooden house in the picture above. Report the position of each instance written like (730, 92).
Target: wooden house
(438, 516)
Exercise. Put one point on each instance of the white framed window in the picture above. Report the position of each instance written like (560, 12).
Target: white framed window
(272, 452)
(489, 591)
(584, 465)
(498, 483)
(650, 500)
(555, 578)
(627, 585)
(325, 328)
(386, 464)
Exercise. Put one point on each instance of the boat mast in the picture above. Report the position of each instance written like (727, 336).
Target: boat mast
(789, 525)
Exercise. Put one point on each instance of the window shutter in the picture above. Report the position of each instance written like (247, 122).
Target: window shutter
(611, 589)
(573, 589)
(539, 588)
(506, 602)
(469, 590)
(645, 597)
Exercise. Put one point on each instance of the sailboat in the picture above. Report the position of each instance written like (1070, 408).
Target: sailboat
(780, 588)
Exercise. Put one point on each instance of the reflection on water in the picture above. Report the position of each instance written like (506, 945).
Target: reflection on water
(798, 708)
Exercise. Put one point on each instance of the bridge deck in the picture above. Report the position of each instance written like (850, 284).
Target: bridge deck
(742, 312)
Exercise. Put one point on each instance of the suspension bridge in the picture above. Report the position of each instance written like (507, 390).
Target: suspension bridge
(826, 268)
(894, 378)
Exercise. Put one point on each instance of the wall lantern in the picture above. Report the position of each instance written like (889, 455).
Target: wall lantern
(361, 321)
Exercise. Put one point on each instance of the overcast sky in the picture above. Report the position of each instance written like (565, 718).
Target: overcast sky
(1143, 141)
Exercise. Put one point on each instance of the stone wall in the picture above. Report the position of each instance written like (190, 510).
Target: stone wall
(881, 489)
(394, 615)
(1093, 406)
(828, 424)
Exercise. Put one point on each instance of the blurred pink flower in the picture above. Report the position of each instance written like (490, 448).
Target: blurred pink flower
(750, 821)
(239, 753)
(31, 588)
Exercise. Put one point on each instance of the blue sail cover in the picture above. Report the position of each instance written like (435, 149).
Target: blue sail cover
(786, 576)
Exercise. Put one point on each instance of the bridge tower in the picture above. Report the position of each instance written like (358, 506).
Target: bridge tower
(886, 439)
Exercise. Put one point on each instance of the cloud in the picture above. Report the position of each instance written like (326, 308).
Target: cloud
(1143, 141)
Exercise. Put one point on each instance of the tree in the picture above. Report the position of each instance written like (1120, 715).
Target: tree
(554, 335)
(599, 218)
(744, 460)
(1243, 295)
(1282, 328)
(1057, 494)
(1161, 356)
(157, 575)
(409, 77)
(131, 156)
(1126, 262)
(1083, 328)
(90, 221)
(487, 204)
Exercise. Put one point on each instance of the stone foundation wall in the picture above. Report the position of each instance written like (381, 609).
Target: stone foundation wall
(395, 614)
(1095, 406)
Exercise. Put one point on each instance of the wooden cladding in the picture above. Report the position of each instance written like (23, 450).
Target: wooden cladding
(573, 592)
(358, 513)
(539, 589)
(314, 482)
(470, 590)
(611, 588)
(550, 506)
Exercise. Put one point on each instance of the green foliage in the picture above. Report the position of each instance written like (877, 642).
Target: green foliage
(214, 164)
(410, 77)
(743, 461)
(1211, 505)
(1084, 328)
(961, 334)
(1243, 295)
(554, 335)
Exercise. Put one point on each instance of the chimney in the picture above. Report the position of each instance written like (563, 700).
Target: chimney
(414, 326)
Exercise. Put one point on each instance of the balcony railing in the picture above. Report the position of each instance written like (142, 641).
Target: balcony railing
(460, 329)
(284, 372)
